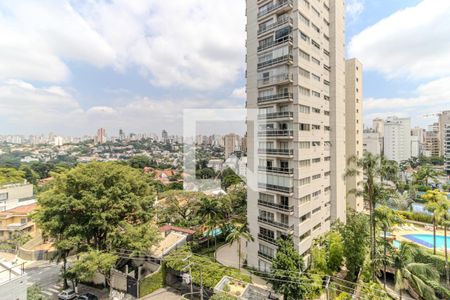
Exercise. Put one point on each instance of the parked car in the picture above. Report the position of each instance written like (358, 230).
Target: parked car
(68, 294)
(87, 296)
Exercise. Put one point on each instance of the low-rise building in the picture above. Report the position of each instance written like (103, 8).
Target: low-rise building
(13, 282)
(14, 195)
(17, 220)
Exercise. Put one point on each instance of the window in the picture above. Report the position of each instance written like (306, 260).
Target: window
(305, 236)
(327, 128)
(266, 198)
(326, 112)
(3, 196)
(316, 210)
(316, 94)
(266, 250)
(316, 193)
(305, 163)
(316, 143)
(317, 226)
(315, 60)
(304, 145)
(304, 73)
(315, 77)
(315, 27)
(304, 37)
(316, 160)
(304, 127)
(304, 181)
(315, 127)
(284, 219)
(317, 176)
(326, 82)
(305, 199)
(326, 174)
(304, 55)
(326, 52)
(315, 44)
(305, 217)
(304, 91)
(316, 11)
(316, 110)
(304, 19)
(304, 109)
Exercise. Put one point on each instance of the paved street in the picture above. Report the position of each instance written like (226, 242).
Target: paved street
(46, 275)
(163, 294)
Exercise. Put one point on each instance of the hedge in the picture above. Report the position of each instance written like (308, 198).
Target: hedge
(222, 296)
(152, 283)
(212, 272)
(416, 216)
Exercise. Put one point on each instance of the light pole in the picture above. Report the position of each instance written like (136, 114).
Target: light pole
(191, 278)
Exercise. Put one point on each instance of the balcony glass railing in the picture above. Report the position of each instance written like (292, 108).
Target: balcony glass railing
(276, 97)
(281, 21)
(277, 79)
(281, 207)
(276, 115)
(274, 6)
(282, 152)
(288, 58)
(267, 239)
(277, 42)
(276, 133)
(276, 188)
(276, 170)
(275, 224)
(265, 256)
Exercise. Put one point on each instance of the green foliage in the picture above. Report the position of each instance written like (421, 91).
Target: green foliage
(212, 272)
(34, 293)
(416, 216)
(343, 296)
(336, 251)
(10, 176)
(223, 296)
(151, 283)
(205, 173)
(356, 240)
(319, 260)
(139, 162)
(19, 238)
(230, 180)
(374, 290)
(179, 208)
(91, 202)
(91, 262)
(288, 263)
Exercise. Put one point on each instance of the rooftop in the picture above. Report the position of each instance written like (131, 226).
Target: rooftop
(20, 210)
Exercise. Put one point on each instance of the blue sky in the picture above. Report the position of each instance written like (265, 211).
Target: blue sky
(70, 67)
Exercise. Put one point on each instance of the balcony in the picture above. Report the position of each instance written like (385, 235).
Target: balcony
(277, 115)
(267, 239)
(281, 97)
(276, 170)
(276, 206)
(265, 256)
(276, 152)
(276, 188)
(278, 79)
(281, 21)
(277, 42)
(276, 224)
(288, 59)
(280, 6)
(276, 133)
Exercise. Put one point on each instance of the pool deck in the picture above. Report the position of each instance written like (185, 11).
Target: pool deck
(400, 232)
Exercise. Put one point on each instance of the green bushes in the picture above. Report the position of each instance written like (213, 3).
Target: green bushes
(415, 216)
(152, 283)
(222, 296)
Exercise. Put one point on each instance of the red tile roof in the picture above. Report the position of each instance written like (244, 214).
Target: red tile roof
(20, 210)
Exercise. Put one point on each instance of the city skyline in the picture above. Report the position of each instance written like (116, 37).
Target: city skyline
(118, 84)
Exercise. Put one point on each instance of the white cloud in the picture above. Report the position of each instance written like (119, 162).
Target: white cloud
(431, 97)
(31, 109)
(412, 42)
(354, 8)
(197, 44)
(239, 93)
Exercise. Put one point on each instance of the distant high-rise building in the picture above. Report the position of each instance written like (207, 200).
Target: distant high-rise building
(431, 144)
(397, 138)
(296, 83)
(231, 142)
(164, 136)
(372, 142)
(122, 135)
(58, 141)
(101, 136)
(444, 120)
(378, 126)
(244, 145)
(446, 137)
(354, 126)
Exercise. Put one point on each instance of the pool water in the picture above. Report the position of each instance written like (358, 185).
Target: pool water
(427, 240)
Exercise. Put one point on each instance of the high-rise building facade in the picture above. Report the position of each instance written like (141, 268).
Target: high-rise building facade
(231, 144)
(296, 144)
(397, 138)
(354, 127)
(101, 136)
(446, 137)
(444, 120)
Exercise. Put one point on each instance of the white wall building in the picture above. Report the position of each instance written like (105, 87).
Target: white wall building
(371, 142)
(14, 195)
(397, 138)
(13, 282)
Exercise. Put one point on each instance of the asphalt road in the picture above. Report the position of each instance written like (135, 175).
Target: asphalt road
(46, 275)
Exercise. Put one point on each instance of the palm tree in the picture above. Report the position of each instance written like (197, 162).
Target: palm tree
(209, 209)
(408, 273)
(434, 199)
(425, 174)
(386, 217)
(239, 232)
(374, 170)
(401, 201)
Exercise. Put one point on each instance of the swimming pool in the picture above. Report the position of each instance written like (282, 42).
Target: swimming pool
(427, 240)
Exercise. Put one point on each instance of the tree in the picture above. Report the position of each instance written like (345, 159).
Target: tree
(30, 175)
(401, 201)
(238, 233)
(139, 162)
(19, 238)
(376, 169)
(34, 292)
(10, 176)
(179, 207)
(91, 262)
(84, 205)
(287, 275)
(355, 234)
(409, 273)
(425, 174)
(210, 211)
(386, 217)
(335, 252)
(434, 199)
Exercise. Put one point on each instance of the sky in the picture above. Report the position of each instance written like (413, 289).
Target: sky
(71, 66)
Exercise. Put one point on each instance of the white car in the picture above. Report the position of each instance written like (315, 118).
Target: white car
(68, 294)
